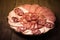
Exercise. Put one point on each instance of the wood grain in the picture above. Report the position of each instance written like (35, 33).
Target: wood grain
(5, 6)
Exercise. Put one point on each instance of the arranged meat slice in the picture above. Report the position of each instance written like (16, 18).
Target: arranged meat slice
(41, 20)
(33, 8)
(15, 19)
(36, 32)
(49, 25)
(31, 19)
(18, 11)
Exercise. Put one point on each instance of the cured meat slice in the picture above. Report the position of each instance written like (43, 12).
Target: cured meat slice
(15, 19)
(49, 25)
(35, 32)
(18, 11)
(33, 8)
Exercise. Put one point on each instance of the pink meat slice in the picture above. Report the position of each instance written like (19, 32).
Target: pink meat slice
(33, 8)
(26, 6)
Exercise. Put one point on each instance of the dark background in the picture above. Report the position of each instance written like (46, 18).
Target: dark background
(7, 34)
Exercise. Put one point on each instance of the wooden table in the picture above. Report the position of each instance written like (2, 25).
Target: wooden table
(7, 5)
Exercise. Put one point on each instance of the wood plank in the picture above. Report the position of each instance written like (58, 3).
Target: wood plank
(36, 2)
(54, 4)
(5, 6)
(43, 3)
(20, 2)
(16, 36)
(5, 34)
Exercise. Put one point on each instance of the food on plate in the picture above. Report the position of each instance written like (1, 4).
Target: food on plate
(31, 19)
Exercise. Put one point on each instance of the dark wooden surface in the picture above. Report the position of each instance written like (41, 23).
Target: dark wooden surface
(7, 34)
